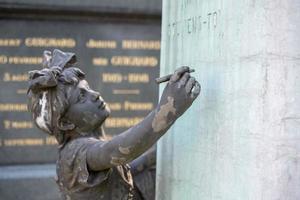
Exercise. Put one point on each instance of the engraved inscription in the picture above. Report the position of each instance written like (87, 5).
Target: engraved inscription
(194, 24)
(121, 63)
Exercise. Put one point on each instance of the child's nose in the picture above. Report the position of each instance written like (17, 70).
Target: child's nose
(95, 96)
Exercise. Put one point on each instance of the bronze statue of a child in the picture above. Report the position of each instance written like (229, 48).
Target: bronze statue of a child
(90, 167)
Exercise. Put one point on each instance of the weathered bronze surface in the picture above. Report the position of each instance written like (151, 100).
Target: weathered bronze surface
(89, 165)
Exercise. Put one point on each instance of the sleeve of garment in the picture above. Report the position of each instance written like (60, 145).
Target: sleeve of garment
(74, 171)
(144, 182)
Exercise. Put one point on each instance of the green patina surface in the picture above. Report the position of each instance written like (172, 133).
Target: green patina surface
(240, 139)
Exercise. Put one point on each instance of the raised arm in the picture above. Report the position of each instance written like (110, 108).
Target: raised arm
(145, 161)
(177, 97)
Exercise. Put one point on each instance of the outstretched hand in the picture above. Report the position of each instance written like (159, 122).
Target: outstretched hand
(180, 92)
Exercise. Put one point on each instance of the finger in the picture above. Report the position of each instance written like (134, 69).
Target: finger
(182, 82)
(196, 90)
(190, 84)
(178, 73)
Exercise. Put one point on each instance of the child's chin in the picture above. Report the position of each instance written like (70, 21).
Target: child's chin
(101, 122)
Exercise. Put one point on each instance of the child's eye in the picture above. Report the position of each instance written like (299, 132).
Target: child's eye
(81, 96)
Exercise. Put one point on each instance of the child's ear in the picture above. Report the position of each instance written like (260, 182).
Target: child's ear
(65, 125)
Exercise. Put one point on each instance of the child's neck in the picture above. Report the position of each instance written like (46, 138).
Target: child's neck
(97, 133)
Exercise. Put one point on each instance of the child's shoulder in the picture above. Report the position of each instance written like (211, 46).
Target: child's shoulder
(78, 144)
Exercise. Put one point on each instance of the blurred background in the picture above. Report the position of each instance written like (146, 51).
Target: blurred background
(117, 44)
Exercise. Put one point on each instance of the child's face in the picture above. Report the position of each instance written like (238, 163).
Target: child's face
(87, 109)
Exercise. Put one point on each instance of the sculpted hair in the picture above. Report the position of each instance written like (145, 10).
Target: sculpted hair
(48, 97)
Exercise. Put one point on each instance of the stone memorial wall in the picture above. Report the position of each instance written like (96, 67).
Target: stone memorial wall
(240, 138)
